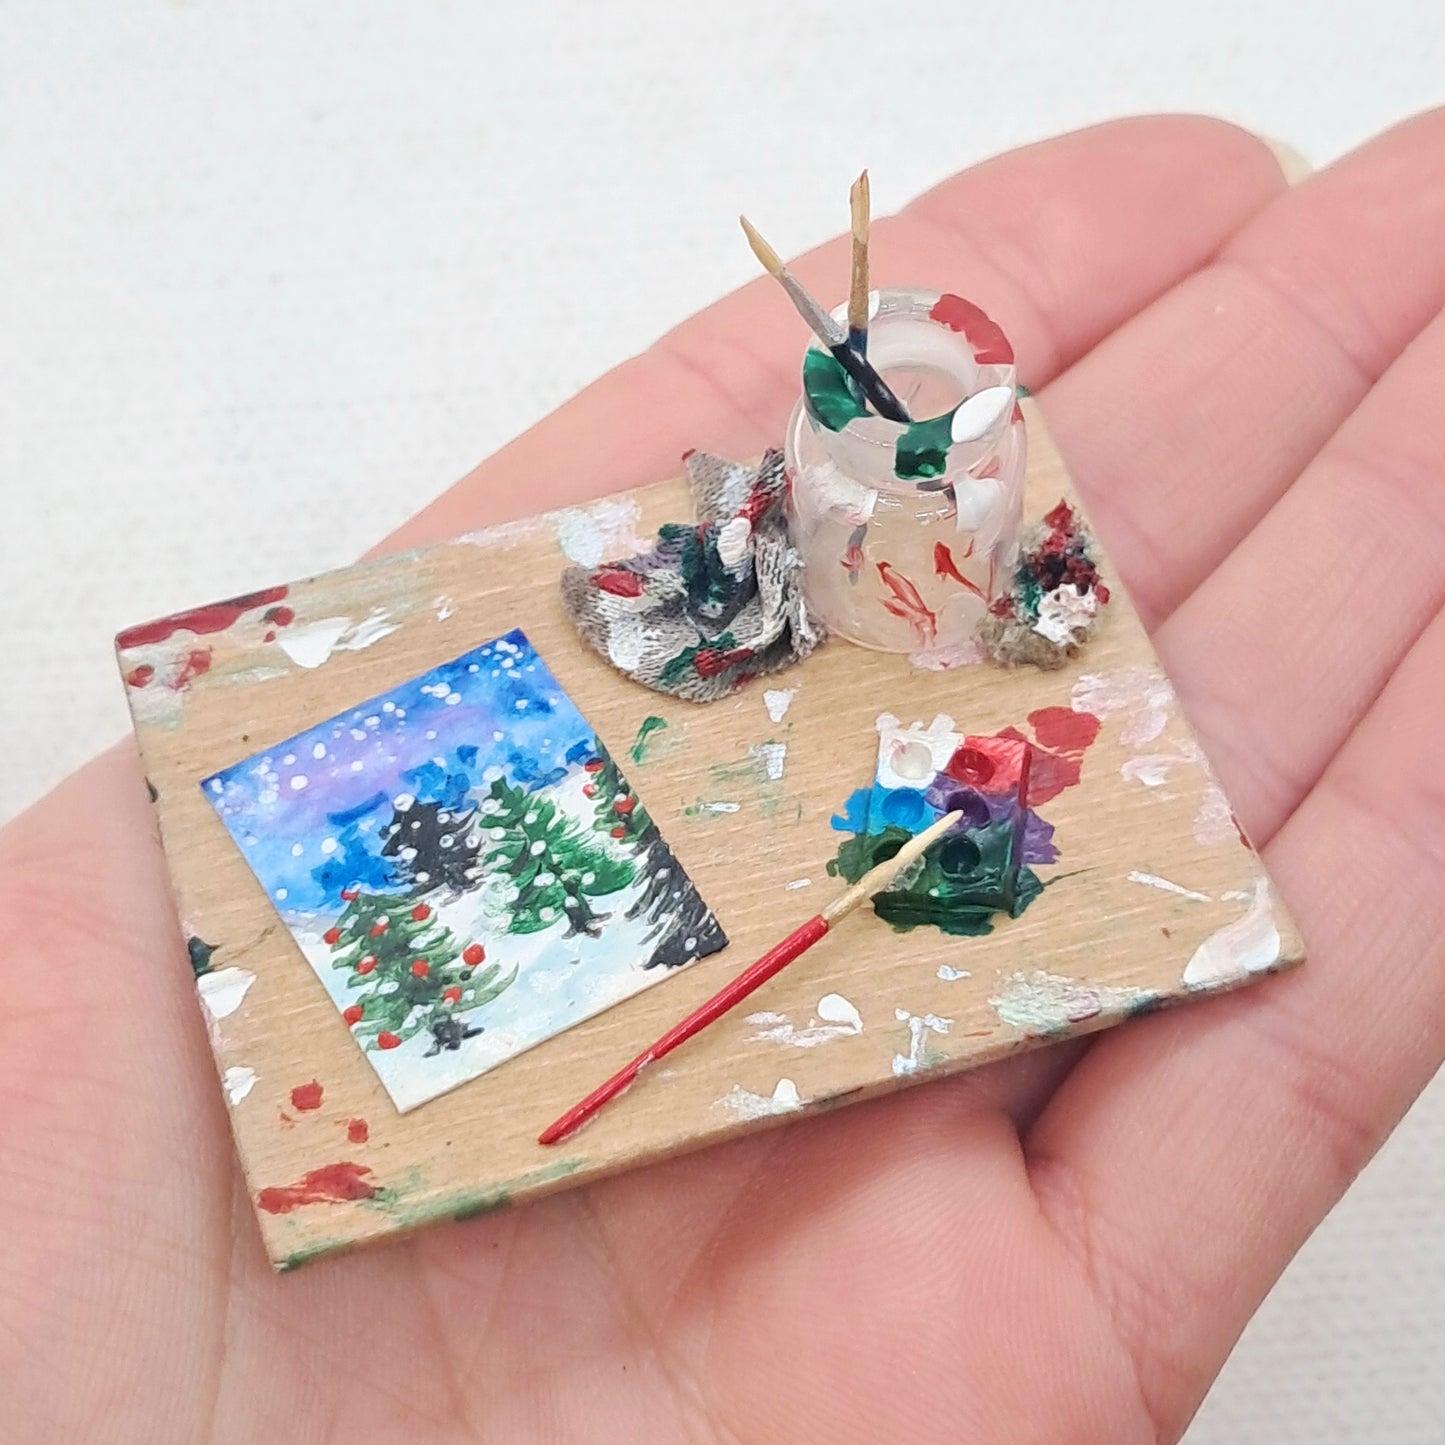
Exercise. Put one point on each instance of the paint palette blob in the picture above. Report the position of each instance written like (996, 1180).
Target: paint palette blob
(463, 866)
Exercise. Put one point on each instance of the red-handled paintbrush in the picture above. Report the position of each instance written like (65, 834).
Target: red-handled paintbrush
(773, 961)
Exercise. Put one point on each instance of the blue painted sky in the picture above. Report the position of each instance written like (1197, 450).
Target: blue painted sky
(307, 812)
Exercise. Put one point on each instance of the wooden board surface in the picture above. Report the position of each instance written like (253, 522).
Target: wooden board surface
(1153, 880)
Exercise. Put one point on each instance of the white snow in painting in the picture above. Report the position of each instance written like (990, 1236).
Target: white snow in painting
(458, 866)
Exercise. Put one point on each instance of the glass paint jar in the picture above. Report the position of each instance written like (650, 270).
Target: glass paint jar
(908, 532)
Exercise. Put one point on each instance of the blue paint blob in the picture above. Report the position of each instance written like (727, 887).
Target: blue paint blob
(906, 807)
(854, 816)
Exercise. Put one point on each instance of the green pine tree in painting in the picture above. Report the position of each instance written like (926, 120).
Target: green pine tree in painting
(410, 973)
(555, 865)
(683, 927)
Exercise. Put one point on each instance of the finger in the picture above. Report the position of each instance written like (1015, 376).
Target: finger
(1190, 1155)
(114, 1196)
(1187, 423)
(1282, 650)
(1059, 242)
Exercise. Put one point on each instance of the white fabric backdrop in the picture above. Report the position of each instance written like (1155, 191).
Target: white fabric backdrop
(273, 274)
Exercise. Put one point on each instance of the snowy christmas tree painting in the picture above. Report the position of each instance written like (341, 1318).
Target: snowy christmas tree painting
(464, 867)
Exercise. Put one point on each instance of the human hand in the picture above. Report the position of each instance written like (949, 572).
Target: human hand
(1064, 1247)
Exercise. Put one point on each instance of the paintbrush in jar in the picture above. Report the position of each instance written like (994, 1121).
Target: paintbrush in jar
(860, 216)
(877, 391)
(753, 977)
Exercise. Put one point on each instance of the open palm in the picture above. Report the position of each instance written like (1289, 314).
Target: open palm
(1245, 380)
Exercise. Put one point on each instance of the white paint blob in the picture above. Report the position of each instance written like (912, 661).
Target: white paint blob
(978, 416)
(223, 990)
(923, 751)
(772, 756)
(950, 974)
(834, 1018)
(778, 701)
(238, 1081)
(1153, 880)
(602, 532)
(1249, 945)
(1142, 695)
(312, 643)
(732, 541)
(1036, 1002)
(747, 1105)
(1063, 612)
(796, 884)
(920, 1026)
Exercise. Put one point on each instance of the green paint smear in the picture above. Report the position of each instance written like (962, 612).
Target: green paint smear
(831, 395)
(649, 726)
(961, 885)
(473, 1203)
(1021, 391)
(922, 450)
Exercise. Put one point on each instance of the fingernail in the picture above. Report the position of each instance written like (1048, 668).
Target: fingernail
(1294, 166)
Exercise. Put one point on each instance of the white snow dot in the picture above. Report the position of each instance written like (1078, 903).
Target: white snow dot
(588, 879)
(319, 751)
(288, 760)
(453, 698)
(547, 912)
(472, 667)
(690, 944)
(358, 734)
(216, 785)
(538, 848)
(357, 766)
(373, 721)
(423, 877)
(328, 845)
(388, 707)
(403, 801)
(281, 894)
(430, 734)
(529, 819)
(296, 850)
(521, 703)
(298, 782)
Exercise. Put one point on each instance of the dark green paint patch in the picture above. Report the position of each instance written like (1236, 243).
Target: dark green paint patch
(831, 396)
(200, 954)
(922, 450)
(959, 886)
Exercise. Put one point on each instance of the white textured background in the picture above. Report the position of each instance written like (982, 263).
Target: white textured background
(273, 274)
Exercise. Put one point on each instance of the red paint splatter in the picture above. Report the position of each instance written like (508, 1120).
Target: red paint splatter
(945, 566)
(198, 660)
(624, 805)
(473, 954)
(1061, 738)
(139, 676)
(990, 345)
(215, 617)
(452, 994)
(1064, 730)
(907, 603)
(357, 1131)
(281, 616)
(330, 1184)
(421, 913)
(420, 969)
(387, 1040)
(353, 1013)
(306, 1096)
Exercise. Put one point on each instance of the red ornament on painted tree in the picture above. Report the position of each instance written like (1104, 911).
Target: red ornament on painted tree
(473, 954)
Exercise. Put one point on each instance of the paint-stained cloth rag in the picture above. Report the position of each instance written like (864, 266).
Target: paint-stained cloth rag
(715, 602)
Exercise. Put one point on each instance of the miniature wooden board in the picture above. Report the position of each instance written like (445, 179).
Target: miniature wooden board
(1156, 897)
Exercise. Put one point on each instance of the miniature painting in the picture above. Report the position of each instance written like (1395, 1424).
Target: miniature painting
(464, 867)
